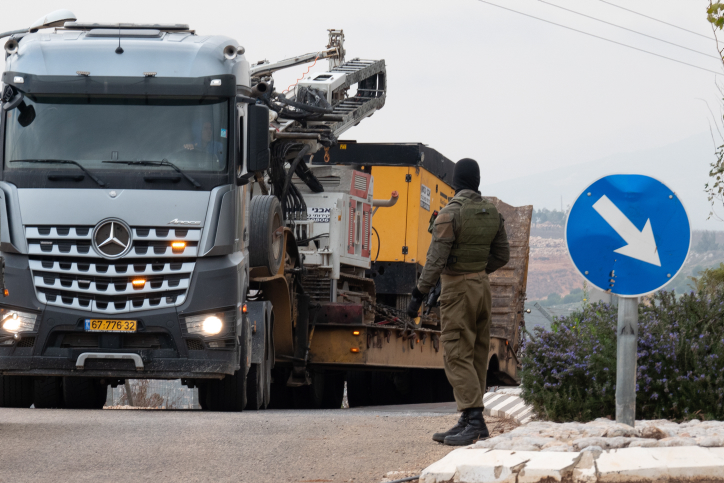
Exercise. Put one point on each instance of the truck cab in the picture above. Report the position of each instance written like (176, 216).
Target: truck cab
(124, 210)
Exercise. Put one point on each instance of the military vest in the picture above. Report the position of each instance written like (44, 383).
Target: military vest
(480, 222)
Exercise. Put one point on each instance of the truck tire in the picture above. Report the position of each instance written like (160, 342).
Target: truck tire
(255, 387)
(333, 390)
(266, 248)
(48, 392)
(16, 391)
(84, 393)
(359, 387)
(280, 393)
(227, 394)
(325, 392)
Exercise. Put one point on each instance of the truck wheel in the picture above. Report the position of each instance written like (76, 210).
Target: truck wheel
(266, 247)
(325, 392)
(280, 394)
(48, 392)
(255, 387)
(333, 390)
(227, 394)
(84, 393)
(311, 396)
(16, 391)
(359, 387)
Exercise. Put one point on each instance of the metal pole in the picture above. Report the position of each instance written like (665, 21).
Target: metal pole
(627, 335)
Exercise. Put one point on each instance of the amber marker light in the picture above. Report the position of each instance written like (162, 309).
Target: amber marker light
(356, 332)
(244, 308)
(6, 292)
(354, 350)
(178, 246)
(139, 282)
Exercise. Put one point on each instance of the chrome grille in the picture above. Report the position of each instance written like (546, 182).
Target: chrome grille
(67, 271)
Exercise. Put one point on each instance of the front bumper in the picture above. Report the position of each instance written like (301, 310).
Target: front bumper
(60, 338)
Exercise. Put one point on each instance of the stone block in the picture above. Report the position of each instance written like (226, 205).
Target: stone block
(493, 467)
(653, 432)
(445, 469)
(517, 445)
(558, 448)
(676, 441)
(694, 463)
(550, 468)
(710, 442)
(585, 469)
(616, 430)
(581, 443)
(630, 465)
(642, 443)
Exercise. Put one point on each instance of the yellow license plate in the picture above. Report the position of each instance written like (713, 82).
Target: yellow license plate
(106, 325)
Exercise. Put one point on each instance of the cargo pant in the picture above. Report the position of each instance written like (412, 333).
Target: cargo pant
(465, 309)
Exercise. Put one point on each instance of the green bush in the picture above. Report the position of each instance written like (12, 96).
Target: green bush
(569, 373)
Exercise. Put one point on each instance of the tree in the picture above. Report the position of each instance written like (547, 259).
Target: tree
(715, 188)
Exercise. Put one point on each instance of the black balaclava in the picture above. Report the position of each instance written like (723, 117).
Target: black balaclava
(466, 175)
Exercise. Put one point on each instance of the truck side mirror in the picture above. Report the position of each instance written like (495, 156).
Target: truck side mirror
(257, 138)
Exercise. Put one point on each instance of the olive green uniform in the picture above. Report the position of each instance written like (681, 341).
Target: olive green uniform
(468, 243)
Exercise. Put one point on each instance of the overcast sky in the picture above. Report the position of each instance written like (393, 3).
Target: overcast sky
(471, 80)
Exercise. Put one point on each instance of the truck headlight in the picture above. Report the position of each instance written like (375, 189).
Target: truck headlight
(15, 321)
(210, 324)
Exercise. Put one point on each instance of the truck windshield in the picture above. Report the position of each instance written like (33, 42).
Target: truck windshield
(190, 133)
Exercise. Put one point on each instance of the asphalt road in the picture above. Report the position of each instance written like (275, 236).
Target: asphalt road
(344, 445)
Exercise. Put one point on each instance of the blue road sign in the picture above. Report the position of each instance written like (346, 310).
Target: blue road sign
(629, 234)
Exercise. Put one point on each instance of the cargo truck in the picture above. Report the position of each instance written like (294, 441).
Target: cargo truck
(167, 213)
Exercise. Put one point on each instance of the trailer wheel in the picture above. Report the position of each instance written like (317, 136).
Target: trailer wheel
(84, 393)
(359, 388)
(325, 392)
(266, 245)
(227, 394)
(16, 391)
(48, 392)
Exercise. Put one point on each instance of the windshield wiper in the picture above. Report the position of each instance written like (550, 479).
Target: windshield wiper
(163, 162)
(62, 161)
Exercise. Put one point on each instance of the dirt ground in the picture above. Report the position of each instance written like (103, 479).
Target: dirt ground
(345, 445)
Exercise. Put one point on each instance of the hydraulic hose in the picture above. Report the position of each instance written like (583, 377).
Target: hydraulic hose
(292, 168)
(306, 107)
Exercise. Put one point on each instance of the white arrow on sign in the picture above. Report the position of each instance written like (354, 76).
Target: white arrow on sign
(640, 244)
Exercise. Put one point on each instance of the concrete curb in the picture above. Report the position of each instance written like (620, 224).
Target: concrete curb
(506, 403)
(628, 465)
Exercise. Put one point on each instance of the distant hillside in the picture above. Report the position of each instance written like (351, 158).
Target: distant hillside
(683, 166)
(550, 270)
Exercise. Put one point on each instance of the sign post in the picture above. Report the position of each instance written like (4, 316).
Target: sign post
(628, 332)
(628, 235)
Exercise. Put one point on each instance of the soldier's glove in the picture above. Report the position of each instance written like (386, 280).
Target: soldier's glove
(415, 302)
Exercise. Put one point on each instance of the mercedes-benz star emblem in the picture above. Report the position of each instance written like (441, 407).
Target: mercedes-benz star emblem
(112, 238)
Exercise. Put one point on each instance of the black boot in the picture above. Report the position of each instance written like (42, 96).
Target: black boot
(462, 423)
(474, 431)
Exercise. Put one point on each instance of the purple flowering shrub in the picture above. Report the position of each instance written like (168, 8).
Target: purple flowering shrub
(569, 373)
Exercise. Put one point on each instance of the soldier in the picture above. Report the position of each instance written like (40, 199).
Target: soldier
(468, 243)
